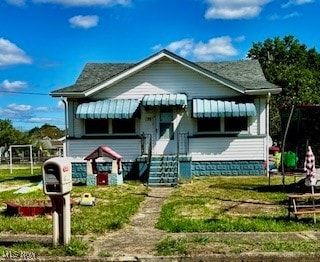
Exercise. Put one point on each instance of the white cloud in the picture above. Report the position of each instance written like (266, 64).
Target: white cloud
(85, 2)
(60, 105)
(297, 2)
(12, 86)
(84, 21)
(20, 108)
(42, 109)
(24, 114)
(234, 9)
(240, 39)
(40, 120)
(11, 54)
(291, 15)
(182, 47)
(215, 49)
(275, 17)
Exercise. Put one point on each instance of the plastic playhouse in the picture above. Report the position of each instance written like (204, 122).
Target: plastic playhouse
(100, 172)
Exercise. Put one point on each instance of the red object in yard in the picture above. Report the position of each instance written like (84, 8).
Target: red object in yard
(36, 208)
(102, 179)
(33, 208)
(103, 151)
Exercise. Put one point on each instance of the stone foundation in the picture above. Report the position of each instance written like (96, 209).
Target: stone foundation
(227, 168)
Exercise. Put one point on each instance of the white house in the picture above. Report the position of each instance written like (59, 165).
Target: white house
(210, 117)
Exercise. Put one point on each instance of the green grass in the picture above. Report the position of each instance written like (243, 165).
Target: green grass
(114, 207)
(230, 245)
(231, 204)
(30, 250)
(20, 176)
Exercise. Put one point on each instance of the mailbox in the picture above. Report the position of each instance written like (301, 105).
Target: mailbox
(57, 176)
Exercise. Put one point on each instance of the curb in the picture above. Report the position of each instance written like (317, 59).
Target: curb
(245, 257)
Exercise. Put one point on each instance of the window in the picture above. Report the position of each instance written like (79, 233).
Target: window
(233, 124)
(230, 124)
(209, 124)
(124, 126)
(166, 123)
(96, 126)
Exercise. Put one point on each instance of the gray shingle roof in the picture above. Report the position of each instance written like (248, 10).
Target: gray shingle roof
(245, 73)
(94, 74)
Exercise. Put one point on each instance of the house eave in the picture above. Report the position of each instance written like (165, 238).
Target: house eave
(68, 94)
(273, 91)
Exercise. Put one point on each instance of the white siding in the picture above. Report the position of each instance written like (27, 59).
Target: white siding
(129, 149)
(166, 77)
(227, 149)
(261, 108)
(169, 77)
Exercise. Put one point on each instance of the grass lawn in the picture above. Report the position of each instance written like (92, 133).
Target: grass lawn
(211, 204)
(231, 204)
(21, 174)
(114, 207)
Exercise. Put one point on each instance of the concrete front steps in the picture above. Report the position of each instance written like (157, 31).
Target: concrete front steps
(163, 171)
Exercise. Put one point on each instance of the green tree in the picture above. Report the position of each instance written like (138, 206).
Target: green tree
(292, 66)
(11, 136)
(46, 130)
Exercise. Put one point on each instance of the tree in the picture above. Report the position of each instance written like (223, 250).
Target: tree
(46, 130)
(11, 136)
(292, 66)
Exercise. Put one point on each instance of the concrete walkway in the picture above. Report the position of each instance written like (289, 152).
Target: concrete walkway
(140, 236)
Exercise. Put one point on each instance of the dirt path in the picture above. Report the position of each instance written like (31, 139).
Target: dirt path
(140, 236)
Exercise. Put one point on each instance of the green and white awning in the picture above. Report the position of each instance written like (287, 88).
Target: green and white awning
(216, 108)
(109, 108)
(165, 100)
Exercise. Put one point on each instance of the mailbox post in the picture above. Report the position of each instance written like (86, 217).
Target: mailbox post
(57, 184)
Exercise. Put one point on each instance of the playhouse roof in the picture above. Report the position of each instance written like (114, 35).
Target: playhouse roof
(103, 151)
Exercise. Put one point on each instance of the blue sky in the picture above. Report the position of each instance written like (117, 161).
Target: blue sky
(44, 44)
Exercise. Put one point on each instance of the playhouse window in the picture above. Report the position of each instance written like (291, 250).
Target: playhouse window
(96, 126)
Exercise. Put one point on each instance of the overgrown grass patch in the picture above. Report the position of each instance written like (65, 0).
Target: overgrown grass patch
(30, 250)
(232, 245)
(231, 204)
(114, 207)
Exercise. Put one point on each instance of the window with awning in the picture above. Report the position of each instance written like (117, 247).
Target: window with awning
(205, 108)
(165, 100)
(109, 108)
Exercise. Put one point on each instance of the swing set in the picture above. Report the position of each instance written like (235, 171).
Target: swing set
(300, 128)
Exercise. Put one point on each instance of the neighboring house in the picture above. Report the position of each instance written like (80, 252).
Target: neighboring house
(211, 116)
(51, 147)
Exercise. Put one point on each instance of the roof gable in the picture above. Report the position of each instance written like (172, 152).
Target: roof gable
(242, 76)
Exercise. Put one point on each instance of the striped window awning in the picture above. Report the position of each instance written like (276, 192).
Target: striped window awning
(165, 100)
(109, 108)
(216, 108)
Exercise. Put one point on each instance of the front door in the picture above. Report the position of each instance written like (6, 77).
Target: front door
(165, 139)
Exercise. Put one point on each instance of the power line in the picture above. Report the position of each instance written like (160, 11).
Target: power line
(24, 93)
